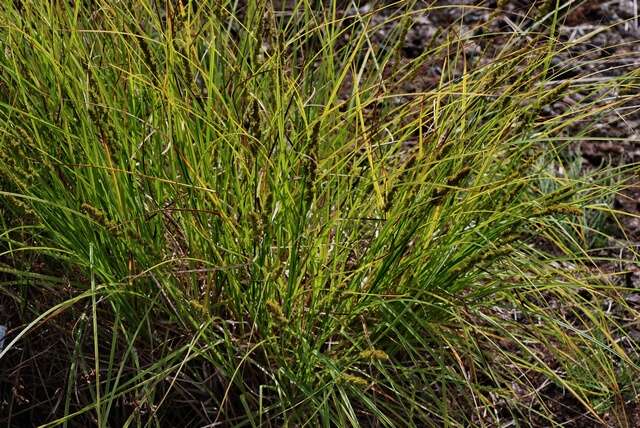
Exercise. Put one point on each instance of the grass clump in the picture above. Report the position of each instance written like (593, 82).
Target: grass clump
(241, 215)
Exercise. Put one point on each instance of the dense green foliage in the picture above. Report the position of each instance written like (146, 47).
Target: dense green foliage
(256, 222)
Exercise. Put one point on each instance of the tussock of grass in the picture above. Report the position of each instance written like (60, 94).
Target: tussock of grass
(261, 225)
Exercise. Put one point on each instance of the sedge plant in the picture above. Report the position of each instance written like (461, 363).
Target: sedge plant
(244, 214)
